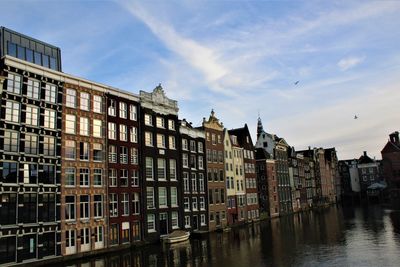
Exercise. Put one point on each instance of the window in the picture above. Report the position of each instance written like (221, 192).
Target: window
(70, 98)
(172, 143)
(70, 238)
(187, 221)
(70, 124)
(98, 234)
(210, 196)
(186, 204)
(112, 131)
(186, 182)
(14, 83)
(113, 205)
(8, 204)
(123, 177)
(184, 144)
(162, 197)
(49, 119)
(133, 135)
(123, 135)
(135, 178)
(148, 138)
(149, 168)
(49, 174)
(185, 161)
(125, 204)
(174, 197)
(201, 164)
(214, 141)
(112, 154)
(70, 149)
(148, 120)
(134, 156)
(112, 176)
(85, 101)
(10, 172)
(97, 177)
(160, 140)
(171, 125)
(123, 155)
(132, 112)
(31, 144)
(70, 176)
(97, 128)
(151, 225)
(50, 93)
(135, 204)
(114, 234)
(160, 122)
(150, 197)
(84, 126)
(194, 183)
(84, 177)
(84, 207)
(12, 111)
(122, 110)
(161, 170)
(192, 146)
(112, 108)
(193, 161)
(97, 104)
(194, 203)
(174, 220)
(32, 115)
(209, 156)
(83, 151)
(200, 147)
(97, 152)
(201, 182)
(69, 208)
(172, 169)
(30, 173)
(11, 141)
(203, 219)
(222, 196)
(202, 203)
(85, 236)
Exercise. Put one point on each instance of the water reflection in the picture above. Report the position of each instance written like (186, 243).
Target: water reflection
(368, 236)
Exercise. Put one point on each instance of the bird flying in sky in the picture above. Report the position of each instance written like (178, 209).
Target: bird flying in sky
(296, 82)
(355, 117)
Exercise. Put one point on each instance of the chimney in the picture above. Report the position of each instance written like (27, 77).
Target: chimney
(365, 153)
(394, 137)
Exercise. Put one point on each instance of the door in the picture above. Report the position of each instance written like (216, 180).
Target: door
(163, 224)
(195, 222)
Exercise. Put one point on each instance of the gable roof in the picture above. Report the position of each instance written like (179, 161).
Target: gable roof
(241, 134)
(390, 147)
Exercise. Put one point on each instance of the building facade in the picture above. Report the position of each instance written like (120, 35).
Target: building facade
(124, 183)
(161, 164)
(231, 205)
(214, 131)
(282, 173)
(193, 196)
(391, 167)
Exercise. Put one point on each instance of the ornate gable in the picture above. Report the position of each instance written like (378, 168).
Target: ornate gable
(159, 102)
(213, 122)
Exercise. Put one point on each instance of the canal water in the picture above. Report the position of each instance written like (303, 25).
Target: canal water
(336, 236)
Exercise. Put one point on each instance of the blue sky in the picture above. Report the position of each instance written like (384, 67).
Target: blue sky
(241, 58)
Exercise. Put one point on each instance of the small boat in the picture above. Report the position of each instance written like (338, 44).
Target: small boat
(175, 237)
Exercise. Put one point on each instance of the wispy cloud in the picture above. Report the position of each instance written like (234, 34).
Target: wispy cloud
(349, 62)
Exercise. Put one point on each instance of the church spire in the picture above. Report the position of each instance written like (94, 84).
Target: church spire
(260, 128)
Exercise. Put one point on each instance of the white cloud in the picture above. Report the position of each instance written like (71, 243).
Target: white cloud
(349, 62)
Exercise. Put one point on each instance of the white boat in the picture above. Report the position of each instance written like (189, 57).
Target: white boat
(176, 236)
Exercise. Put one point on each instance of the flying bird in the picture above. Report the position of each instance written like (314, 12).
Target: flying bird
(296, 82)
(355, 117)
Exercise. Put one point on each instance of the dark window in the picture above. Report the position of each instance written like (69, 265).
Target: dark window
(47, 213)
(45, 61)
(48, 174)
(52, 63)
(222, 196)
(12, 49)
(7, 249)
(84, 151)
(210, 196)
(29, 55)
(48, 248)
(27, 211)
(8, 204)
(9, 173)
(21, 52)
(38, 58)
(221, 175)
(114, 234)
(28, 244)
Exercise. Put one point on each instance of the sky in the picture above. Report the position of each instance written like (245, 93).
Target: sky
(242, 59)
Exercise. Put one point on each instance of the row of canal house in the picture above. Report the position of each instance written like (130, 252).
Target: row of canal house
(85, 166)
(291, 181)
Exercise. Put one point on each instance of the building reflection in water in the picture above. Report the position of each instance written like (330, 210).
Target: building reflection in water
(329, 237)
